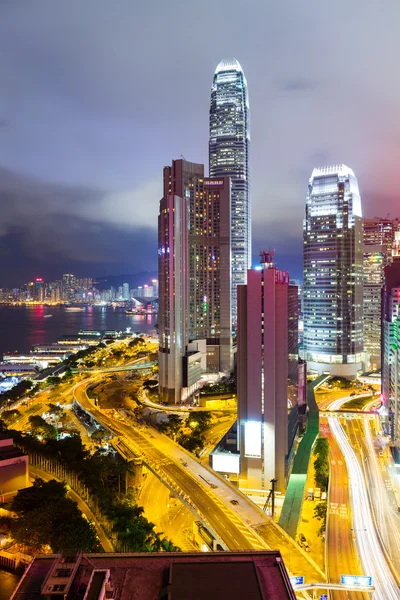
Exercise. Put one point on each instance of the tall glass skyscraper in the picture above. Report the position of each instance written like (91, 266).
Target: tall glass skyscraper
(229, 156)
(333, 272)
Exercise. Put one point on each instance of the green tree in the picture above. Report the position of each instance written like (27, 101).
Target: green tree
(9, 416)
(40, 427)
(320, 511)
(198, 420)
(99, 435)
(55, 409)
(192, 443)
(53, 380)
(45, 516)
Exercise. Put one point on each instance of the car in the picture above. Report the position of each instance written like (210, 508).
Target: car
(235, 502)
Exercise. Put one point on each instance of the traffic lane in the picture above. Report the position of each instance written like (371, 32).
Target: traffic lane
(154, 498)
(372, 558)
(216, 517)
(268, 531)
(342, 555)
(382, 502)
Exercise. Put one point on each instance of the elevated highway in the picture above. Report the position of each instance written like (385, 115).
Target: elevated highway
(239, 526)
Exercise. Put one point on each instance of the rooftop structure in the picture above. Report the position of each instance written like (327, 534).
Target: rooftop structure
(178, 576)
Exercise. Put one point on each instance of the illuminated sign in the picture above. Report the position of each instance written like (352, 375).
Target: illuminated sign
(395, 333)
(214, 182)
(252, 439)
(360, 580)
(299, 580)
(226, 463)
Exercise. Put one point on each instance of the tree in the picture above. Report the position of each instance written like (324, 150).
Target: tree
(199, 421)
(321, 463)
(9, 416)
(45, 516)
(192, 443)
(40, 427)
(99, 435)
(55, 409)
(320, 511)
(53, 380)
(172, 425)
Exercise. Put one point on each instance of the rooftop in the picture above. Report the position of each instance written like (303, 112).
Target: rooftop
(340, 170)
(228, 64)
(176, 576)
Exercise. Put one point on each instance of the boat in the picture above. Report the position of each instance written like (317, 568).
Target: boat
(47, 316)
(74, 308)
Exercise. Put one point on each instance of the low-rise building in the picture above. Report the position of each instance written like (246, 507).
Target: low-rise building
(158, 576)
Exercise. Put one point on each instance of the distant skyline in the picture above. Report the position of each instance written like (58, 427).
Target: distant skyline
(96, 98)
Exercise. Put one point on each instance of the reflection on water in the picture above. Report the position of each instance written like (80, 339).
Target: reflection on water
(23, 326)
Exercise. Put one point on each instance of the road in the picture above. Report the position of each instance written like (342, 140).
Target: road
(214, 435)
(170, 515)
(372, 557)
(341, 551)
(234, 525)
(379, 487)
(160, 455)
(83, 507)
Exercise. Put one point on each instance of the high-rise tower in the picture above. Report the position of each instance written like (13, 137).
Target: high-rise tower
(229, 156)
(267, 343)
(333, 271)
(379, 235)
(391, 341)
(194, 278)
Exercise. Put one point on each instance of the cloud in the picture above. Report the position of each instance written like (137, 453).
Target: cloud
(296, 85)
(55, 223)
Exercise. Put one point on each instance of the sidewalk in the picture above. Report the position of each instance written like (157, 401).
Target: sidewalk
(309, 525)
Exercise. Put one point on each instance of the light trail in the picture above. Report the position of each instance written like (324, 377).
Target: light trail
(387, 522)
(370, 551)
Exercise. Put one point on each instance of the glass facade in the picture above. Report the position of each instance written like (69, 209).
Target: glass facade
(229, 156)
(333, 271)
(390, 346)
(379, 234)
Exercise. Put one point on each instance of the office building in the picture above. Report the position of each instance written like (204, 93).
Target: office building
(252, 575)
(229, 147)
(173, 305)
(125, 291)
(333, 272)
(154, 283)
(39, 289)
(380, 231)
(265, 331)
(391, 341)
(379, 234)
(197, 277)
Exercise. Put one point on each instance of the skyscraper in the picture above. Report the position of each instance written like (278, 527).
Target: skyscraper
(379, 236)
(173, 303)
(194, 283)
(267, 338)
(391, 342)
(333, 271)
(229, 147)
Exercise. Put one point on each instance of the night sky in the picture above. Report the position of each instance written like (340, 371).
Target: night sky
(96, 96)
